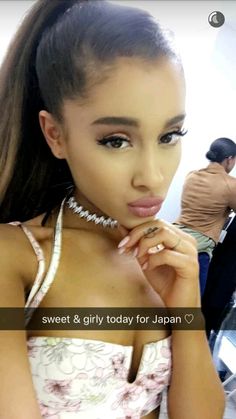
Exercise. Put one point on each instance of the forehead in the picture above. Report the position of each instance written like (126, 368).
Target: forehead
(137, 89)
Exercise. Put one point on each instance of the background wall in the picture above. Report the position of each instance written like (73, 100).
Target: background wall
(209, 57)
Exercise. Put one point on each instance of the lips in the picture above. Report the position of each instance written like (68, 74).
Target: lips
(146, 202)
(145, 207)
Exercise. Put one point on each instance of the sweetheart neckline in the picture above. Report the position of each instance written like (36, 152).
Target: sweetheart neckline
(97, 341)
(125, 347)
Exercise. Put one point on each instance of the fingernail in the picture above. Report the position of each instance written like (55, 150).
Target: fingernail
(153, 250)
(122, 250)
(135, 252)
(144, 266)
(124, 241)
(156, 249)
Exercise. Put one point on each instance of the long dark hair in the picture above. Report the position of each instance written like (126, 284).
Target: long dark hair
(220, 149)
(58, 52)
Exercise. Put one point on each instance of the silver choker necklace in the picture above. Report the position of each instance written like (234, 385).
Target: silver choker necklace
(82, 213)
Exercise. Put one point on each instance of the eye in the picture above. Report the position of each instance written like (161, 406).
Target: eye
(114, 141)
(172, 138)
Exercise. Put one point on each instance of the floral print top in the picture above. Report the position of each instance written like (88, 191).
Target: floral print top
(88, 379)
(81, 378)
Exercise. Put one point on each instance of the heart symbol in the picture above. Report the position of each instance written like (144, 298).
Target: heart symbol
(189, 318)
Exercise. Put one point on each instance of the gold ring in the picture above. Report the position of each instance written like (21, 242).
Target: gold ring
(149, 233)
(176, 245)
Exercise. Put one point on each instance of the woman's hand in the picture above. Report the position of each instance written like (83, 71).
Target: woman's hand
(168, 257)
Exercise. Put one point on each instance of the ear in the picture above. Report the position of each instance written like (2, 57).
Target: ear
(231, 162)
(53, 134)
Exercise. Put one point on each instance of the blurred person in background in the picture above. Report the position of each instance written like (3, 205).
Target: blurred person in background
(208, 196)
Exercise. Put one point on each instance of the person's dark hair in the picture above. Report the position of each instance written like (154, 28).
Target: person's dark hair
(60, 50)
(220, 149)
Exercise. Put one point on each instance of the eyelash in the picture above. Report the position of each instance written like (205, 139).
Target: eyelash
(178, 133)
(112, 138)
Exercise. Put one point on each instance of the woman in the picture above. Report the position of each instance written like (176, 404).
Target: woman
(208, 196)
(109, 101)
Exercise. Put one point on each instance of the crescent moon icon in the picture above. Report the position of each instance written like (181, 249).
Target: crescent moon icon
(214, 18)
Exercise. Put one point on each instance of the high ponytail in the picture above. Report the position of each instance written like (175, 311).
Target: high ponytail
(27, 166)
(60, 52)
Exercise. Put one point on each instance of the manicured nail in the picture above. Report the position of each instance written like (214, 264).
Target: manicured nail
(124, 241)
(144, 266)
(122, 250)
(135, 252)
(155, 249)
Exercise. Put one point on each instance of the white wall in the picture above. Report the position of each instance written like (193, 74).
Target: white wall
(11, 13)
(209, 57)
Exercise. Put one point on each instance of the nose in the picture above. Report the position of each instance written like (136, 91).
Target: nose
(148, 171)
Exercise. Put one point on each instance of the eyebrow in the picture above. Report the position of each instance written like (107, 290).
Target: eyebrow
(175, 120)
(117, 120)
(132, 122)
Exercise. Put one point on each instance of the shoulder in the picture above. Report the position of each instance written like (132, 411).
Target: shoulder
(189, 178)
(17, 257)
(13, 239)
(192, 174)
(13, 352)
(11, 265)
(231, 181)
(40, 232)
(12, 243)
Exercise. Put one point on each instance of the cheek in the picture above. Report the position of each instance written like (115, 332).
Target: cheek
(94, 174)
(172, 162)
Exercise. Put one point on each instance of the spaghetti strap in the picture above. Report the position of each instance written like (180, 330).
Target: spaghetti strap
(39, 254)
(41, 258)
(39, 290)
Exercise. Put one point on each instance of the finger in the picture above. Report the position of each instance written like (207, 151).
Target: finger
(185, 265)
(165, 238)
(185, 235)
(135, 235)
(143, 260)
(138, 233)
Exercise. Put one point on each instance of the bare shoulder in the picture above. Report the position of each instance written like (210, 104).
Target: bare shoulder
(13, 251)
(17, 257)
(12, 245)
(17, 394)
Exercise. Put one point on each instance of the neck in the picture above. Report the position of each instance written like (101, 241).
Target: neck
(225, 165)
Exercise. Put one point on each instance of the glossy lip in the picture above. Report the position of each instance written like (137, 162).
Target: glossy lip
(147, 202)
(146, 207)
(145, 211)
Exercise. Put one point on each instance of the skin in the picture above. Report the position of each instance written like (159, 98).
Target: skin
(152, 94)
(144, 164)
(228, 164)
(106, 180)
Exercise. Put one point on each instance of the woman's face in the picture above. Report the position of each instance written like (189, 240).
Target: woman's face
(124, 143)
